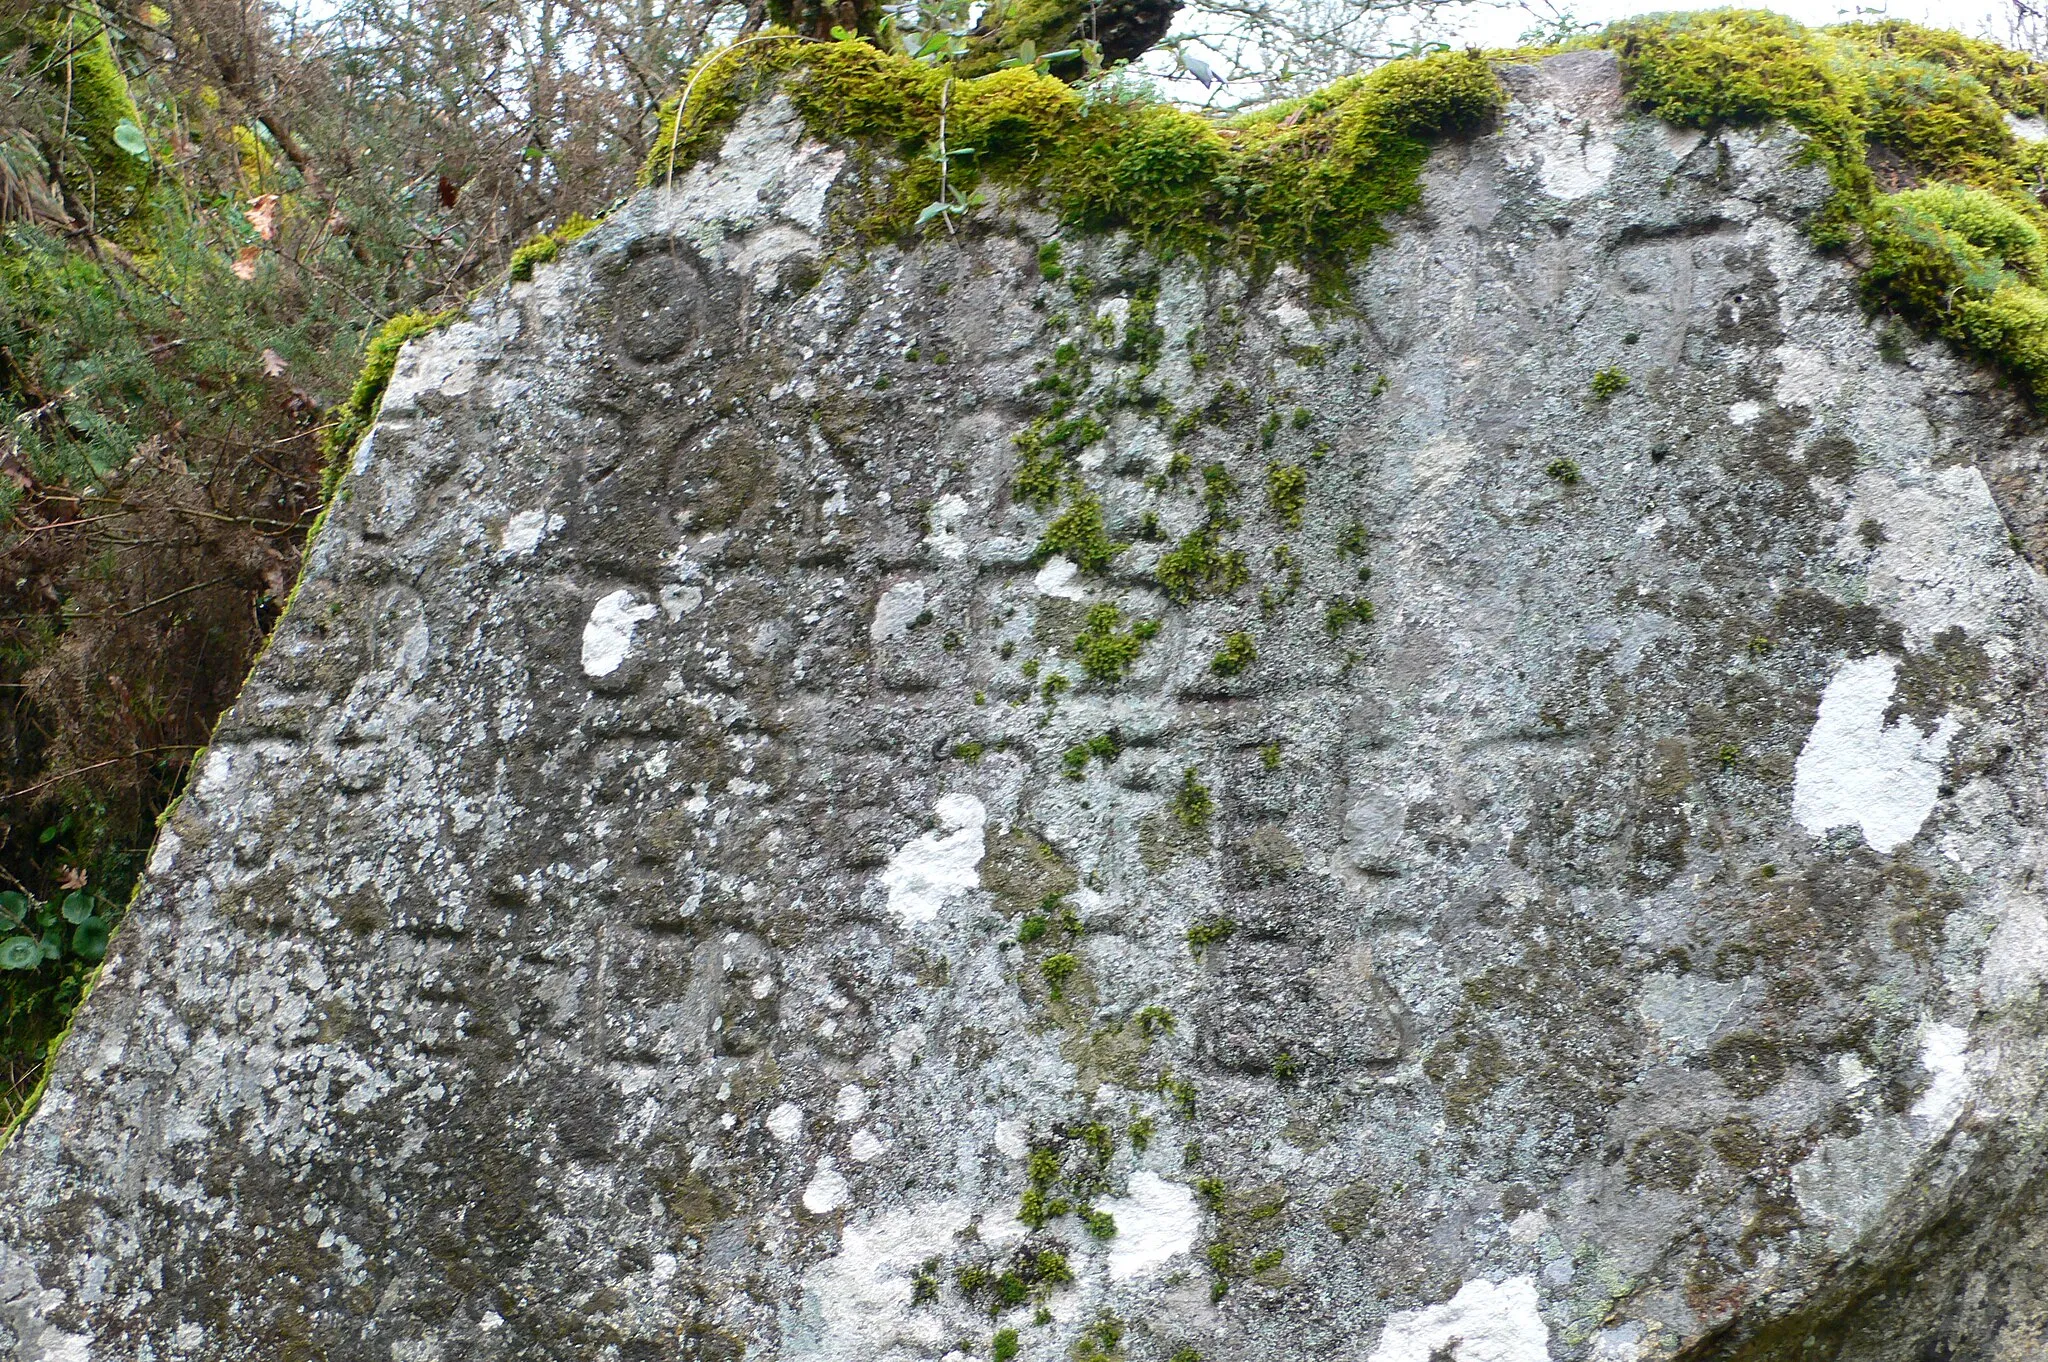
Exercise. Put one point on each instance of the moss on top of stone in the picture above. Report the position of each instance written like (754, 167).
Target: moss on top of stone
(1305, 181)
(380, 360)
(1957, 249)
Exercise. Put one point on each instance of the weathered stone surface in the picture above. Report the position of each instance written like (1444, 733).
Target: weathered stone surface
(595, 931)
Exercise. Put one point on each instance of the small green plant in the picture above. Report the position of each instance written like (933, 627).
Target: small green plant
(969, 751)
(1730, 756)
(1269, 756)
(1287, 492)
(1237, 653)
(1191, 804)
(1154, 1019)
(1286, 1067)
(1059, 971)
(1102, 747)
(924, 1283)
(1179, 1091)
(1341, 613)
(1033, 928)
(545, 247)
(1184, 1353)
(1353, 541)
(33, 931)
(1213, 1193)
(1100, 1224)
(1106, 651)
(1219, 1265)
(1607, 383)
(1049, 267)
(1078, 535)
(1563, 470)
(1205, 934)
(1199, 565)
(1098, 1342)
(1267, 1261)
(1053, 688)
(1004, 1347)
(1142, 1131)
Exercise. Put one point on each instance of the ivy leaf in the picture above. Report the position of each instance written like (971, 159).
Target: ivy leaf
(129, 138)
(20, 952)
(77, 908)
(89, 942)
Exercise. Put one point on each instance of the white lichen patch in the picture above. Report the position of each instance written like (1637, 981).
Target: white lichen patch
(1484, 1322)
(944, 541)
(1856, 770)
(1945, 1055)
(1155, 1223)
(526, 531)
(1057, 578)
(608, 636)
(1848, 1182)
(786, 1122)
(827, 1190)
(856, 1304)
(1941, 560)
(895, 610)
(941, 865)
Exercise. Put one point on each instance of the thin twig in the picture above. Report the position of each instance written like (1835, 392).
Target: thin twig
(81, 770)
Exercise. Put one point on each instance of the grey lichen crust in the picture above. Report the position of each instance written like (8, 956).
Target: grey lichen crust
(657, 896)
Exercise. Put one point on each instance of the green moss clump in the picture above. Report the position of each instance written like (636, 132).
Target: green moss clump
(1563, 470)
(1192, 804)
(380, 358)
(1103, 747)
(1961, 253)
(1985, 220)
(1336, 617)
(1206, 934)
(1059, 971)
(1107, 652)
(2015, 81)
(1198, 565)
(1958, 262)
(1608, 383)
(1237, 653)
(1045, 451)
(1307, 181)
(1078, 535)
(547, 245)
(1287, 492)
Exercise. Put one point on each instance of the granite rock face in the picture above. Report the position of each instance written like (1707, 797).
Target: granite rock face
(691, 868)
